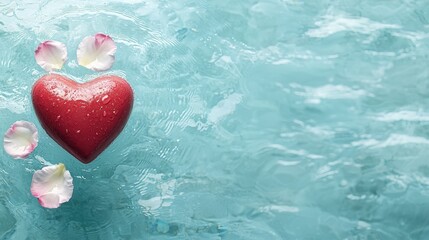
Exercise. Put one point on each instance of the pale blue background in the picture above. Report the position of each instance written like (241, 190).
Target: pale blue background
(270, 119)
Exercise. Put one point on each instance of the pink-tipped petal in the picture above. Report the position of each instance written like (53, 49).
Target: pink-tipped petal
(49, 200)
(96, 52)
(51, 55)
(52, 185)
(20, 139)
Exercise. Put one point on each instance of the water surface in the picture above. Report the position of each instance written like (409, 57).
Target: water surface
(269, 119)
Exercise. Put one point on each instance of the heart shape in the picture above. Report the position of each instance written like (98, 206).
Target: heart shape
(83, 118)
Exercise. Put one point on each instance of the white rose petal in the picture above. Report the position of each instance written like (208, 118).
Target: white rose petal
(20, 139)
(52, 185)
(51, 55)
(96, 52)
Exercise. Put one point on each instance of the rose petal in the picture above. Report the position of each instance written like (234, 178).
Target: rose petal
(96, 52)
(20, 139)
(51, 55)
(52, 185)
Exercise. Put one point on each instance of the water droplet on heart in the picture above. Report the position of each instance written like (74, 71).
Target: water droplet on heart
(67, 131)
(68, 110)
(104, 113)
(58, 118)
(105, 99)
(87, 114)
(78, 131)
(114, 112)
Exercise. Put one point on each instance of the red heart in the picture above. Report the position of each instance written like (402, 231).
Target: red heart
(84, 118)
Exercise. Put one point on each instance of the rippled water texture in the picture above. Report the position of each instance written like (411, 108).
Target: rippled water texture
(270, 119)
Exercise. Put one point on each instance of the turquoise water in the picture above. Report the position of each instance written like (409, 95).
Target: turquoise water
(271, 119)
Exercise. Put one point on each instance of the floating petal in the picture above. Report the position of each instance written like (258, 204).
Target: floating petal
(52, 185)
(51, 55)
(20, 139)
(96, 52)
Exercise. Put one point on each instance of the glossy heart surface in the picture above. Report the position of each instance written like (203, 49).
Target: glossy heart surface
(83, 118)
